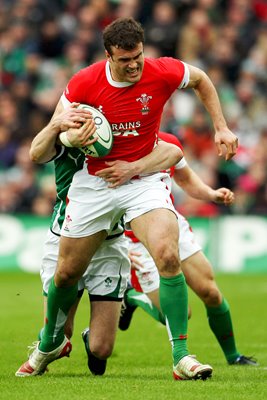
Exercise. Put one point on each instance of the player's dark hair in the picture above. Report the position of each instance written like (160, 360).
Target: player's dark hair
(123, 33)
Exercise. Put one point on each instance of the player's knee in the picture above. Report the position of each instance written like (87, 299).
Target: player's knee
(65, 278)
(101, 350)
(211, 296)
(168, 261)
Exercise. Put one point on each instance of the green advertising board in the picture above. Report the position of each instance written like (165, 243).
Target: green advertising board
(233, 243)
(21, 242)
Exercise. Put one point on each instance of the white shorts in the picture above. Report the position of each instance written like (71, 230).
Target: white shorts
(148, 276)
(94, 207)
(107, 273)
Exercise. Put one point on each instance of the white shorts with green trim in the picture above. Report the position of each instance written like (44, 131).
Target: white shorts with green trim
(107, 273)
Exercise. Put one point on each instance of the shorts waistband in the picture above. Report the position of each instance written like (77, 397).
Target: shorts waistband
(54, 233)
(110, 237)
(114, 236)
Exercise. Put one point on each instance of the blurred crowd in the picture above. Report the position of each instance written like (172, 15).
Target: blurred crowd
(44, 42)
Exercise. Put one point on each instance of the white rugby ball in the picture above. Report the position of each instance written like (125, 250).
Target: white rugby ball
(103, 132)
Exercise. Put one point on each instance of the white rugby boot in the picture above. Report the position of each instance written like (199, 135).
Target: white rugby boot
(38, 360)
(189, 368)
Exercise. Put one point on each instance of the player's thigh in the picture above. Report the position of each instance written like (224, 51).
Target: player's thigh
(104, 323)
(76, 253)
(199, 275)
(158, 231)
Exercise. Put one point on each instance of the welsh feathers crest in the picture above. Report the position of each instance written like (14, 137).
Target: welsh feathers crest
(144, 100)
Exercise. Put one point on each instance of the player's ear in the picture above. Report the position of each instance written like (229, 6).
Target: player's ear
(108, 56)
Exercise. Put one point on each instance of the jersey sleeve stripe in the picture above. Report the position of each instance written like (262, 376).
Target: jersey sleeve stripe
(181, 164)
(66, 103)
(186, 77)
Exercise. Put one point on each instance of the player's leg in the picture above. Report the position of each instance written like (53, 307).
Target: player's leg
(143, 289)
(106, 281)
(26, 368)
(152, 218)
(158, 231)
(74, 257)
(200, 277)
(69, 324)
(54, 344)
(47, 271)
(132, 300)
(48, 267)
(103, 326)
(99, 339)
(88, 217)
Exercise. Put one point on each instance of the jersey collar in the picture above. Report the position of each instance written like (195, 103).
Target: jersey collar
(115, 83)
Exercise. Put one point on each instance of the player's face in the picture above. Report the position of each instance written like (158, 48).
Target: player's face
(126, 66)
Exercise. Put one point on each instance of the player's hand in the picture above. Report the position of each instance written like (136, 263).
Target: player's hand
(117, 173)
(223, 196)
(135, 262)
(71, 117)
(228, 139)
(82, 136)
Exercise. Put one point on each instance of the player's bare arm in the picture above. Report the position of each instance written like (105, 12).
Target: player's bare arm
(193, 185)
(162, 157)
(206, 92)
(43, 147)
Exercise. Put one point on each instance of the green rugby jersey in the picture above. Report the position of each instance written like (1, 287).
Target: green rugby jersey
(68, 161)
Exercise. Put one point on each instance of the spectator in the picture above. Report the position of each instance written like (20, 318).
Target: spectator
(8, 148)
(197, 137)
(162, 29)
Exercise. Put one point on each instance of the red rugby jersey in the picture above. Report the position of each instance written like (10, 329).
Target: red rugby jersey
(133, 110)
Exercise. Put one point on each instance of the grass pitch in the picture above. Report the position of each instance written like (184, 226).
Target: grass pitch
(140, 367)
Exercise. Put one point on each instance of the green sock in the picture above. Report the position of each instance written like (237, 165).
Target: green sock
(59, 301)
(141, 300)
(174, 305)
(221, 325)
(40, 334)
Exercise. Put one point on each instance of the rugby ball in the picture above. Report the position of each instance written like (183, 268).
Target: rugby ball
(103, 132)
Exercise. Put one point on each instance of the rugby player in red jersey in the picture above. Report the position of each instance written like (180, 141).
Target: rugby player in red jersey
(131, 92)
